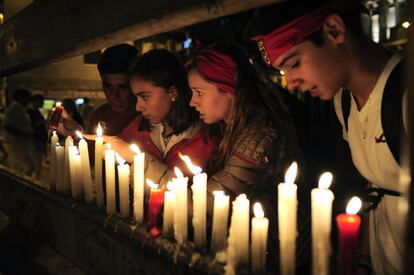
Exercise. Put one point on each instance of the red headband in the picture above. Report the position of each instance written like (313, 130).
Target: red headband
(218, 68)
(280, 40)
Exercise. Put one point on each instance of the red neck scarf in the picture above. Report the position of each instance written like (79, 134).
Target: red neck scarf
(282, 39)
(218, 68)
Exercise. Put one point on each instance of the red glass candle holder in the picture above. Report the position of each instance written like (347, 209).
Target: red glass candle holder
(156, 201)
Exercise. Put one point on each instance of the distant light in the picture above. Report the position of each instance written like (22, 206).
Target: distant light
(1, 18)
(187, 43)
(406, 24)
(79, 101)
(282, 72)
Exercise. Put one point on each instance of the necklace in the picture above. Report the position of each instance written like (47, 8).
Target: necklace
(166, 137)
(365, 121)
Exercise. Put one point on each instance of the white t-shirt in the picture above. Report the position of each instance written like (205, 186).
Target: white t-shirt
(374, 160)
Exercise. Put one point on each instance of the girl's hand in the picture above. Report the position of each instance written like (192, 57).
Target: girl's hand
(117, 144)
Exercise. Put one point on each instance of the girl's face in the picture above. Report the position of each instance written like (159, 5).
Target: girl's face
(212, 104)
(153, 102)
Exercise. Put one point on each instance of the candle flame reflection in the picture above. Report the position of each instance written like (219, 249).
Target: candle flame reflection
(151, 184)
(58, 104)
(325, 180)
(99, 130)
(354, 205)
(258, 210)
(291, 173)
(193, 168)
(135, 149)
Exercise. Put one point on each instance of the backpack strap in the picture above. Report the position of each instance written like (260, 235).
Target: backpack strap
(346, 106)
(391, 110)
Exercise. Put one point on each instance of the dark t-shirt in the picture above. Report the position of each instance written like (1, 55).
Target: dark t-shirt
(112, 122)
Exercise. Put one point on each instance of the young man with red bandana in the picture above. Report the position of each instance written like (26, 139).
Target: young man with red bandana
(322, 49)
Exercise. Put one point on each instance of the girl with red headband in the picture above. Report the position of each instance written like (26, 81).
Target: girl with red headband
(256, 138)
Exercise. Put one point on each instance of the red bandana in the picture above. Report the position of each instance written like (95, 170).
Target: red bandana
(218, 68)
(279, 41)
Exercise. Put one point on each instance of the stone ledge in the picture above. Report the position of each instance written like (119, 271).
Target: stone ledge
(93, 241)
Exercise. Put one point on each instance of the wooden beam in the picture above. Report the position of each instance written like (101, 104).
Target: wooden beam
(49, 31)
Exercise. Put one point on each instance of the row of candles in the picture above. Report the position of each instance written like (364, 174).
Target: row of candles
(71, 163)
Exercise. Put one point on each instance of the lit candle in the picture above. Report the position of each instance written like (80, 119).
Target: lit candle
(75, 172)
(123, 183)
(287, 207)
(139, 161)
(220, 221)
(86, 168)
(98, 167)
(260, 226)
(238, 241)
(348, 225)
(181, 206)
(322, 199)
(110, 180)
(53, 140)
(156, 201)
(199, 189)
(60, 162)
(57, 113)
(169, 209)
(66, 168)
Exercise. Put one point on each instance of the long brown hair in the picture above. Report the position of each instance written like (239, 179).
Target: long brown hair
(256, 102)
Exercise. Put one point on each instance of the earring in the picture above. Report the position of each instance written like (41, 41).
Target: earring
(173, 99)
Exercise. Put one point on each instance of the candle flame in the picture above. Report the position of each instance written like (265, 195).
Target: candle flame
(99, 130)
(354, 205)
(54, 133)
(258, 210)
(178, 172)
(291, 173)
(135, 149)
(194, 169)
(170, 186)
(79, 134)
(108, 146)
(325, 180)
(218, 193)
(151, 184)
(57, 144)
(119, 159)
(58, 104)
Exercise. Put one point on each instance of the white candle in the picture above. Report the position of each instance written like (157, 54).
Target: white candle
(110, 180)
(60, 162)
(220, 221)
(169, 209)
(139, 161)
(181, 206)
(322, 199)
(53, 140)
(75, 172)
(199, 189)
(66, 168)
(86, 168)
(123, 181)
(287, 208)
(260, 226)
(98, 167)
